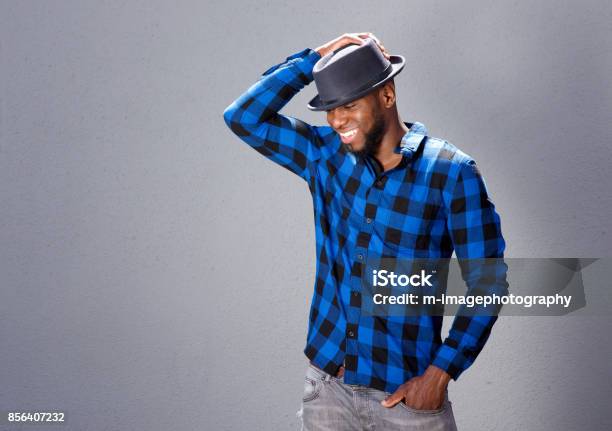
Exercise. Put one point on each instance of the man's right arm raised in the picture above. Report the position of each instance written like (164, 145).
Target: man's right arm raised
(254, 116)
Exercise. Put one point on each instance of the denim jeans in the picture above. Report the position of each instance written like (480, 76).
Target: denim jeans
(330, 404)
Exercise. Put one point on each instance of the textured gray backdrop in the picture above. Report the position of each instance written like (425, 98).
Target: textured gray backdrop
(156, 272)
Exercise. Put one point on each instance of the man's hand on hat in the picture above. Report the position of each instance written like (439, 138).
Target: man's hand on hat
(348, 39)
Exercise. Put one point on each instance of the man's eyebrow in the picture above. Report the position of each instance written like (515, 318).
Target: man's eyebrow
(342, 106)
(346, 104)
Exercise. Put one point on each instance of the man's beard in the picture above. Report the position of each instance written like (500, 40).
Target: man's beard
(373, 138)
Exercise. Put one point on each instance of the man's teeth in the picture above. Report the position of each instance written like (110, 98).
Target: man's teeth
(349, 133)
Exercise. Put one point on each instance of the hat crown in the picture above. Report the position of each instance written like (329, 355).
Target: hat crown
(349, 70)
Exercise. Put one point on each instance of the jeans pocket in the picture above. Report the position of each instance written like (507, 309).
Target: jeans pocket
(425, 412)
(312, 389)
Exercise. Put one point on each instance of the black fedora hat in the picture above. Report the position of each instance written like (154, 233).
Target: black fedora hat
(350, 73)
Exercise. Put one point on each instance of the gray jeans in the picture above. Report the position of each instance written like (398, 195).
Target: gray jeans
(330, 404)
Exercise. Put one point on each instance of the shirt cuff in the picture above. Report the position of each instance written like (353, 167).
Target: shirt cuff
(308, 62)
(304, 61)
(450, 359)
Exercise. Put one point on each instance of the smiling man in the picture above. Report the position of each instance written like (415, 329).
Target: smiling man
(381, 187)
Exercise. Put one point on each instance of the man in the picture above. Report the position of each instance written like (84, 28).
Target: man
(380, 187)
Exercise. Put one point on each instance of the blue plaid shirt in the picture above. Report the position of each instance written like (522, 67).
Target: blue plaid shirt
(435, 201)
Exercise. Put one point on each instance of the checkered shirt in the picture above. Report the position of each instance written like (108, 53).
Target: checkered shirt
(433, 203)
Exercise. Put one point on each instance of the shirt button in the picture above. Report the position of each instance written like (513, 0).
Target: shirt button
(355, 294)
(351, 333)
(360, 256)
(368, 220)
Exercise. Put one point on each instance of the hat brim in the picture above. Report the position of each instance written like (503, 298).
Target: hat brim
(397, 64)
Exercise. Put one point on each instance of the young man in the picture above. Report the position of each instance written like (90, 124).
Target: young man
(380, 187)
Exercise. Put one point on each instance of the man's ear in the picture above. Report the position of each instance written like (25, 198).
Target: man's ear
(387, 94)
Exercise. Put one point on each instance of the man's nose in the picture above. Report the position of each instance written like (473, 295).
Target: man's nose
(336, 120)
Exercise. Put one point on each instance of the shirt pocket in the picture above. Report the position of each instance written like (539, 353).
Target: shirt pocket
(408, 229)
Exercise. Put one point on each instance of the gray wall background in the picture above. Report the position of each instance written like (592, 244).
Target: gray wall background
(156, 272)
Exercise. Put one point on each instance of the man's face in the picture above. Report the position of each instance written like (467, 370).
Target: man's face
(360, 124)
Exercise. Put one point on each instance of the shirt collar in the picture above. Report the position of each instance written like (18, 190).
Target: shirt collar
(408, 145)
(412, 140)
